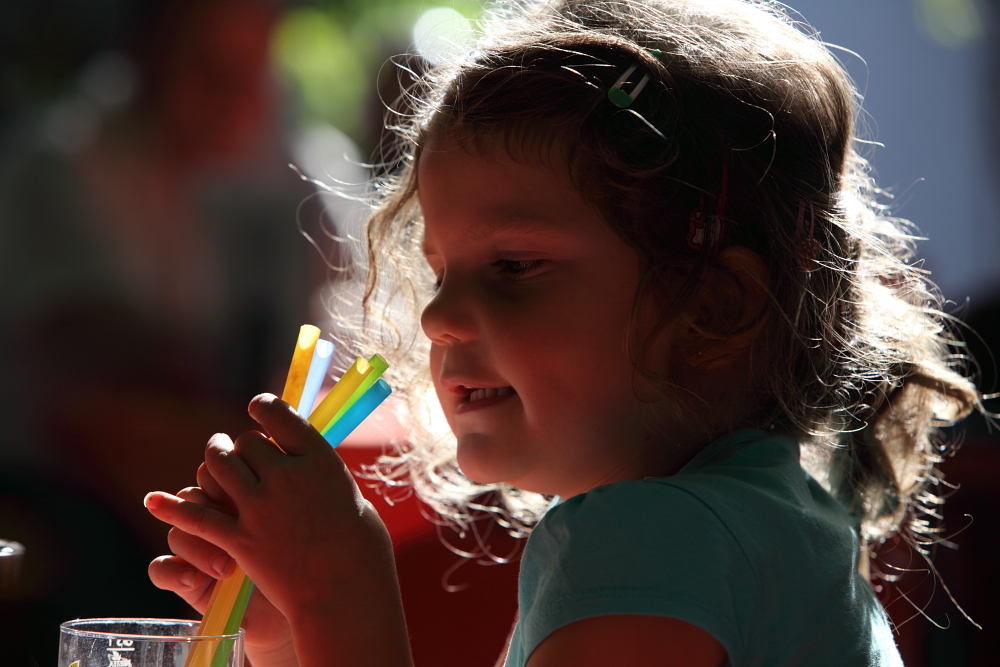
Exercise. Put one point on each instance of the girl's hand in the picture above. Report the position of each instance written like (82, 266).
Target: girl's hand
(305, 535)
(192, 573)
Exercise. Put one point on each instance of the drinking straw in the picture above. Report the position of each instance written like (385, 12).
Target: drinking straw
(356, 413)
(323, 414)
(317, 372)
(379, 365)
(299, 368)
(242, 600)
(227, 601)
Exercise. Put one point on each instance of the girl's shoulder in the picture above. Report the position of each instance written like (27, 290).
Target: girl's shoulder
(745, 495)
(706, 520)
(741, 542)
(734, 477)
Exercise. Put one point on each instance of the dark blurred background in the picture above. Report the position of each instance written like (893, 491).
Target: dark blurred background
(153, 275)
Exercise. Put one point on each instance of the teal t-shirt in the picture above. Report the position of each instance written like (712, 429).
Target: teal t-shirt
(741, 542)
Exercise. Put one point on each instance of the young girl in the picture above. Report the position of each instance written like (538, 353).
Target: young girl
(657, 276)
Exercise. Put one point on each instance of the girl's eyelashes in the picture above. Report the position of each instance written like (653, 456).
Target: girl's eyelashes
(517, 268)
(513, 269)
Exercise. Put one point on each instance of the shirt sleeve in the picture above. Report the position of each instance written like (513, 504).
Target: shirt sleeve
(643, 548)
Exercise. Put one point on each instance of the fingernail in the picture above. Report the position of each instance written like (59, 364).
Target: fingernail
(151, 501)
(188, 578)
(220, 564)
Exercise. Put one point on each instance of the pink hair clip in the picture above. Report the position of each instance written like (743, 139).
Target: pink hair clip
(706, 231)
(808, 247)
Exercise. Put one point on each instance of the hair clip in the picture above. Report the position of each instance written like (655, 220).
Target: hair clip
(698, 229)
(808, 246)
(619, 97)
(706, 232)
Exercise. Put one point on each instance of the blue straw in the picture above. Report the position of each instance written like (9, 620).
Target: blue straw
(314, 379)
(356, 414)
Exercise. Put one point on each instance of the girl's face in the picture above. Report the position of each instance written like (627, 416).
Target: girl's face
(535, 295)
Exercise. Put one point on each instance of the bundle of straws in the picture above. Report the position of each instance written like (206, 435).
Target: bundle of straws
(349, 402)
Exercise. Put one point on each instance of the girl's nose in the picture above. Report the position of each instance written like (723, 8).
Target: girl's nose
(448, 318)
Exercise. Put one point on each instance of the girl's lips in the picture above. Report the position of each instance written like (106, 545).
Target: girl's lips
(469, 406)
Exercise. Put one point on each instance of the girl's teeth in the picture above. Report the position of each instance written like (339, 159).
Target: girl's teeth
(478, 394)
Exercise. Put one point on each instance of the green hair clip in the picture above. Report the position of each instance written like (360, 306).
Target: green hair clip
(619, 97)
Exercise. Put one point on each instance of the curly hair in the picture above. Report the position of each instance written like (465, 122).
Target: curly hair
(742, 103)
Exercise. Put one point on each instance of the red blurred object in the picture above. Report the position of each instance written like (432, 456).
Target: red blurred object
(207, 66)
(927, 610)
(459, 611)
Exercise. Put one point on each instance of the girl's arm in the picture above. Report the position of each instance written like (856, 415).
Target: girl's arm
(651, 641)
(315, 548)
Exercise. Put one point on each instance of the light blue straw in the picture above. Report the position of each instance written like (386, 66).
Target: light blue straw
(314, 378)
(356, 414)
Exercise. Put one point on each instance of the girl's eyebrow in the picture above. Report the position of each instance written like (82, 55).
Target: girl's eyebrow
(515, 221)
(524, 225)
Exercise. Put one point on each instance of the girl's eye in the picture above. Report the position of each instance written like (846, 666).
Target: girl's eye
(517, 268)
(513, 269)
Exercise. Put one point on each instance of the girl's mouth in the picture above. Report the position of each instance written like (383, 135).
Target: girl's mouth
(483, 398)
(480, 394)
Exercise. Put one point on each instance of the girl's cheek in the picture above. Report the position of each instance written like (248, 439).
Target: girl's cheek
(447, 401)
(435, 360)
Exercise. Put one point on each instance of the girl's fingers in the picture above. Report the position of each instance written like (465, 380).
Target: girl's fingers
(290, 430)
(177, 575)
(211, 488)
(229, 470)
(197, 495)
(258, 452)
(209, 524)
(202, 554)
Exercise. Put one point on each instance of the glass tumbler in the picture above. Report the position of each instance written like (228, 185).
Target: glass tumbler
(145, 642)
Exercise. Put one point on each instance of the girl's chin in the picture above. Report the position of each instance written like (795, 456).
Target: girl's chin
(482, 472)
(483, 461)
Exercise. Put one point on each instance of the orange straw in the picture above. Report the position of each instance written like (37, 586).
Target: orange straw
(299, 368)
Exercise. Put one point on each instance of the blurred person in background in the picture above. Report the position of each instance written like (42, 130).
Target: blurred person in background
(150, 268)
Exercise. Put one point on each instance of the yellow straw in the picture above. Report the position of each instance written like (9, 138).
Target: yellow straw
(220, 605)
(332, 402)
(299, 368)
(379, 366)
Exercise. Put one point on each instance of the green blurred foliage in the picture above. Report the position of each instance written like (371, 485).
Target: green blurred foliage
(953, 23)
(330, 52)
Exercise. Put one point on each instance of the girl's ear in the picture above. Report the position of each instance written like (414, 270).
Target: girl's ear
(729, 311)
